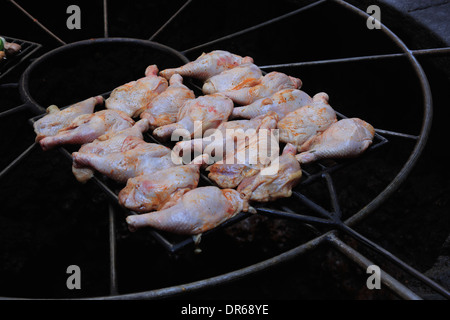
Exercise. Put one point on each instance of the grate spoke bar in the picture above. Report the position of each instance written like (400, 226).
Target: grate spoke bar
(17, 160)
(415, 273)
(363, 262)
(112, 252)
(105, 18)
(421, 52)
(37, 22)
(255, 27)
(170, 20)
(14, 110)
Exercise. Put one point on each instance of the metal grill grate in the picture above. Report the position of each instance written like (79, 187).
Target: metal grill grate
(9, 64)
(331, 219)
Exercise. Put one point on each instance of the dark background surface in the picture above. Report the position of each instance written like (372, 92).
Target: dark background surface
(48, 221)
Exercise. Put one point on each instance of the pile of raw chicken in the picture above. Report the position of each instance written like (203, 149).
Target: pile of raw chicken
(236, 95)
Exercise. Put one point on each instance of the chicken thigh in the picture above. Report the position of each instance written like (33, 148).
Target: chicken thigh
(197, 211)
(208, 65)
(346, 138)
(56, 119)
(269, 85)
(150, 192)
(275, 181)
(136, 157)
(245, 75)
(164, 108)
(300, 125)
(282, 102)
(106, 144)
(198, 115)
(133, 97)
(88, 127)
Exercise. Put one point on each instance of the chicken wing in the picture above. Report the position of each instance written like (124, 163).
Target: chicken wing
(208, 65)
(300, 125)
(346, 138)
(88, 127)
(135, 158)
(133, 97)
(269, 85)
(198, 115)
(56, 119)
(281, 102)
(245, 75)
(106, 144)
(164, 108)
(197, 211)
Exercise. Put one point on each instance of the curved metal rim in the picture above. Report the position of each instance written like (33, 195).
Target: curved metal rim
(25, 78)
(283, 257)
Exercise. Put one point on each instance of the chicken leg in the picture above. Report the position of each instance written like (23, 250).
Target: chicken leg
(198, 115)
(269, 85)
(133, 97)
(346, 138)
(164, 108)
(56, 119)
(197, 211)
(281, 102)
(309, 120)
(107, 144)
(208, 65)
(88, 127)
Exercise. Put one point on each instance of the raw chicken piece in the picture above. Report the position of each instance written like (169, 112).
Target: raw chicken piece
(300, 125)
(275, 181)
(135, 158)
(208, 65)
(150, 192)
(88, 127)
(106, 144)
(199, 210)
(344, 139)
(245, 75)
(198, 115)
(251, 154)
(222, 141)
(282, 102)
(269, 85)
(133, 97)
(56, 119)
(164, 108)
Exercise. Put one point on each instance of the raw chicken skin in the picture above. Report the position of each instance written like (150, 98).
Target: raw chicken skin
(56, 119)
(106, 144)
(222, 141)
(208, 65)
(282, 102)
(281, 177)
(269, 85)
(197, 211)
(88, 127)
(245, 75)
(346, 138)
(208, 111)
(300, 125)
(150, 192)
(135, 158)
(133, 97)
(164, 108)
(251, 154)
